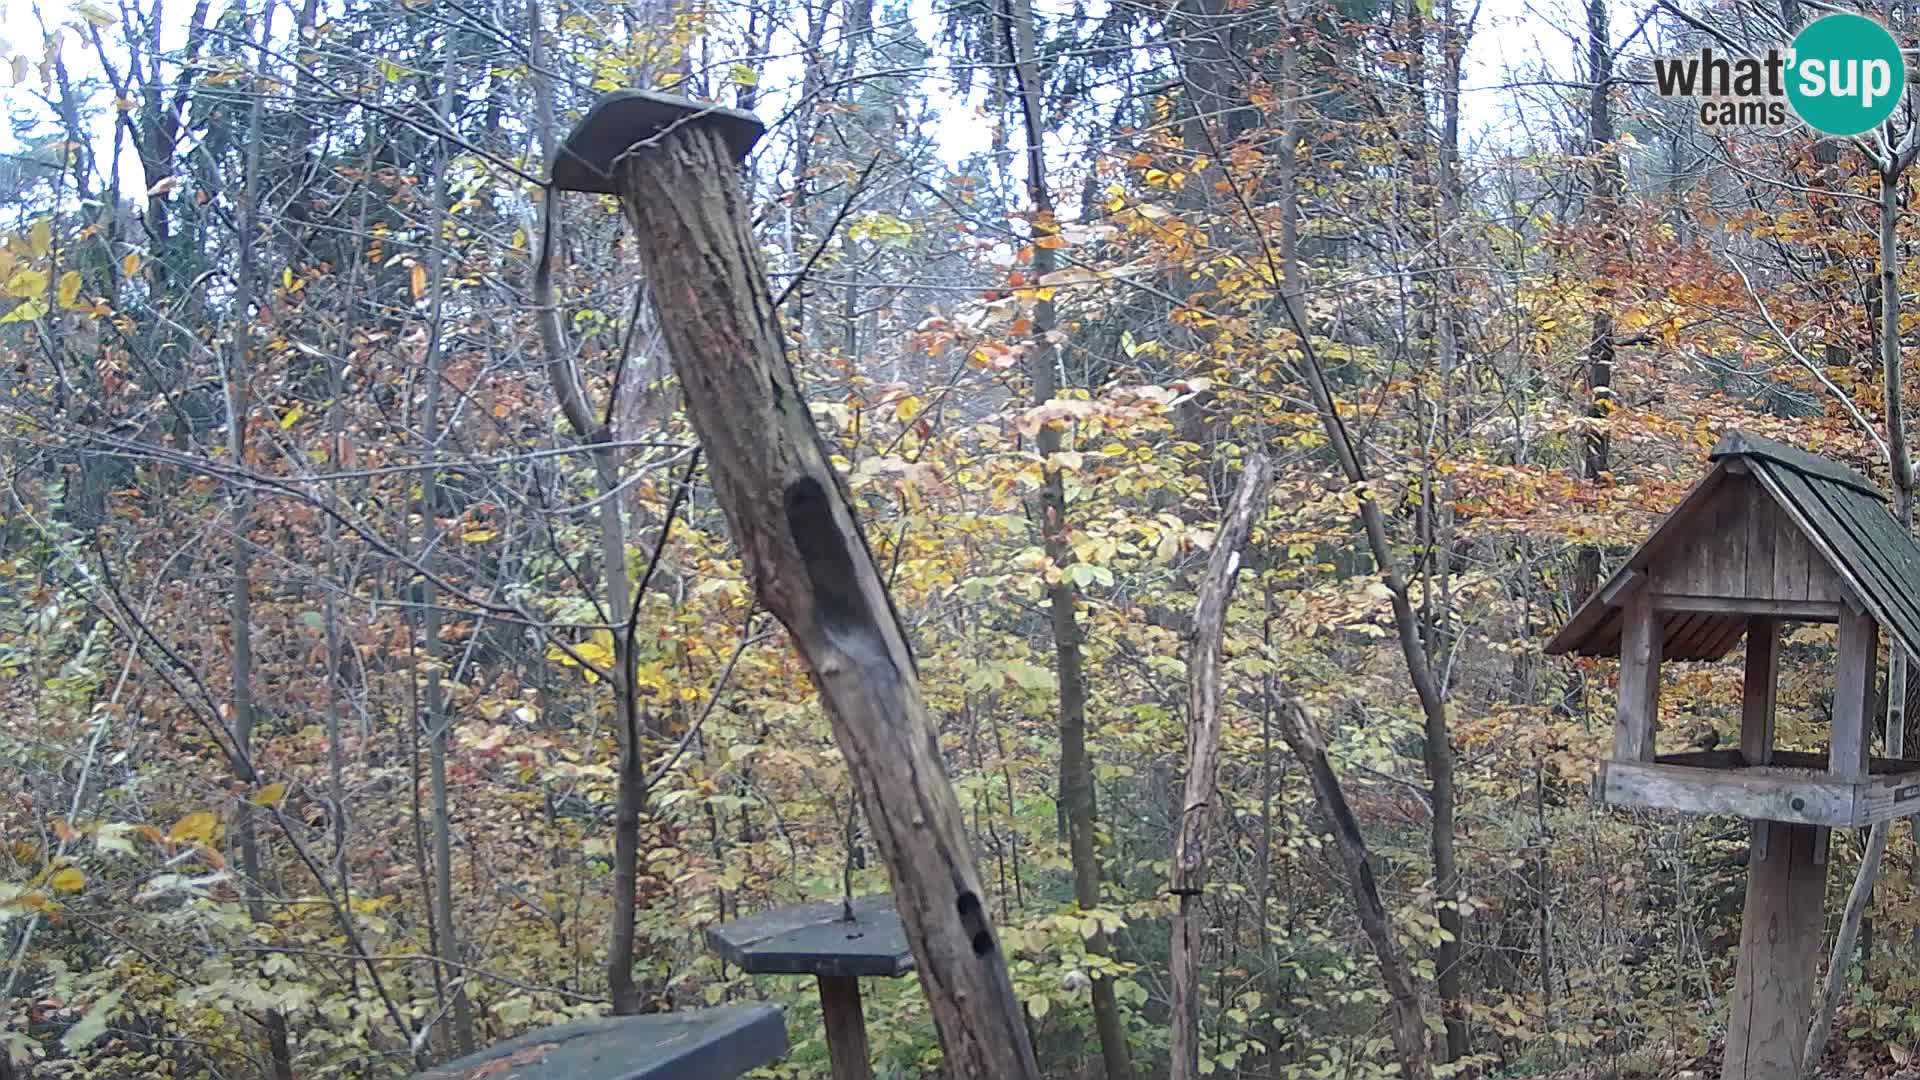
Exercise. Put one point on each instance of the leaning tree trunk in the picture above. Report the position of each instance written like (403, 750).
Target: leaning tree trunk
(811, 567)
(1203, 757)
(1406, 1022)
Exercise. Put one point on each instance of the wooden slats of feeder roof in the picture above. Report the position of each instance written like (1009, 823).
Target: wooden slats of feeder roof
(1770, 531)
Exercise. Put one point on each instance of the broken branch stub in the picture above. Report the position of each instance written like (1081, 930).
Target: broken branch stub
(804, 551)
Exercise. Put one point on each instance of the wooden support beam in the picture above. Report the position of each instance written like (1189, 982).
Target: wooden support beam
(846, 1028)
(1779, 953)
(675, 165)
(1757, 692)
(1638, 706)
(1757, 710)
(1853, 695)
(1789, 610)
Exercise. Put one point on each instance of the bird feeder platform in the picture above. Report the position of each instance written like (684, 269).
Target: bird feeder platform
(1793, 787)
(698, 1044)
(822, 941)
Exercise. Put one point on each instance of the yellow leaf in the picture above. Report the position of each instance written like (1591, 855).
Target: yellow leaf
(69, 288)
(40, 239)
(26, 312)
(131, 264)
(68, 879)
(270, 795)
(293, 416)
(195, 827)
(27, 283)
(286, 277)
(419, 281)
(479, 536)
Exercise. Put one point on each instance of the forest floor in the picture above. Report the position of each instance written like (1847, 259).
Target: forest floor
(1858, 1060)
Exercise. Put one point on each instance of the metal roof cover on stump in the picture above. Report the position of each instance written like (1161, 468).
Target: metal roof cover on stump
(1769, 522)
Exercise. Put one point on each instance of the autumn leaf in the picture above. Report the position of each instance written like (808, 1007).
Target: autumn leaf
(197, 827)
(479, 536)
(27, 283)
(419, 281)
(68, 879)
(69, 288)
(130, 264)
(271, 795)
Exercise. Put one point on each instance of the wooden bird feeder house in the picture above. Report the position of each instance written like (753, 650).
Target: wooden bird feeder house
(1772, 535)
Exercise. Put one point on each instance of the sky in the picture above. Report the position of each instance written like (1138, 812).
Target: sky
(1524, 41)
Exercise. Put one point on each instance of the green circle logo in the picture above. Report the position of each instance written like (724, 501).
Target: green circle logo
(1847, 74)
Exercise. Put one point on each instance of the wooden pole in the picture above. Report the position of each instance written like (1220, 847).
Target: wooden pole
(1203, 758)
(1638, 706)
(1779, 952)
(673, 163)
(846, 1028)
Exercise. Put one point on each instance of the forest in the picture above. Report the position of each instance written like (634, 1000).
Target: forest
(1235, 397)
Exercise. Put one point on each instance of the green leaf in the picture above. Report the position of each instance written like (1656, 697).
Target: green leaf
(92, 1025)
(26, 312)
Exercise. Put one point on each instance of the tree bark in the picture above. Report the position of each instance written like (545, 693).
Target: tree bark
(811, 567)
(1203, 757)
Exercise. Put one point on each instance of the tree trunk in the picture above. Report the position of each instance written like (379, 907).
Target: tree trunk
(1605, 211)
(1899, 457)
(438, 719)
(1437, 749)
(812, 569)
(1076, 769)
(631, 794)
(240, 610)
(1203, 757)
(1406, 1023)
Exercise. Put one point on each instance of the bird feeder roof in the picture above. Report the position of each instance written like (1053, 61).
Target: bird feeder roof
(1771, 529)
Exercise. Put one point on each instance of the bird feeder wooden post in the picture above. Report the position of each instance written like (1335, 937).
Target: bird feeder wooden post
(837, 942)
(674, 165)
(1772, 535)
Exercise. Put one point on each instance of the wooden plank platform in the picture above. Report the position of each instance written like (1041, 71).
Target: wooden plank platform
(1794, 787)
(817, 939)
(698, 1044)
